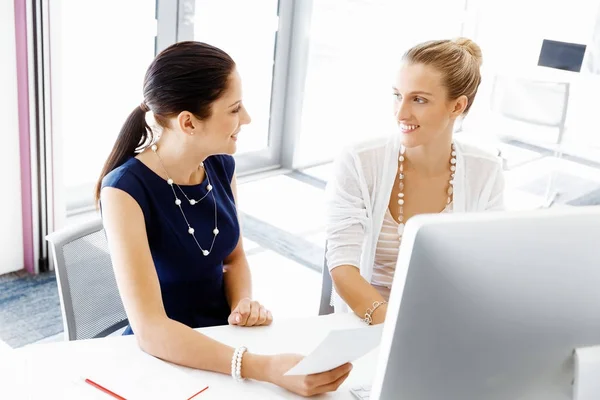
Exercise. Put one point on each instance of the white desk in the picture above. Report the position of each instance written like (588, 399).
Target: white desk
(40, 371)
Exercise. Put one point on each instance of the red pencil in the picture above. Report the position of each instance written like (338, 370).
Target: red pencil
(198, 393)
(116, 396)
(105, 390)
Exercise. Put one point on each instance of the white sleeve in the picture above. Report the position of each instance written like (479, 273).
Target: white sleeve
(346, 214)
(496, 202)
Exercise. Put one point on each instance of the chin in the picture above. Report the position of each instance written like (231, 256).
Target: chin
(231, 148)
(410, 140)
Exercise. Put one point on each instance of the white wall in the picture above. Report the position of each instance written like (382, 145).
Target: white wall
(11, 226)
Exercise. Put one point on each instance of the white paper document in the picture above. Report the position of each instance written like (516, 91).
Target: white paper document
(338, 348)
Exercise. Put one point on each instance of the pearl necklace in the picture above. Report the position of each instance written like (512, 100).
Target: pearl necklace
(192, 202)
(449, 191)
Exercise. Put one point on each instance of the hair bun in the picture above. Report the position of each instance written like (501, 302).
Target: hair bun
(470, 46)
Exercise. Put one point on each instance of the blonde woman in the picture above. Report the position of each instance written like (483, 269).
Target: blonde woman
(421, 169)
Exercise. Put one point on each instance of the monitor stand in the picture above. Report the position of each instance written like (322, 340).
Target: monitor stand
(586, 385)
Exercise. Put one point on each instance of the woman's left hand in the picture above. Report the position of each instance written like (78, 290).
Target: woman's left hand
(250, 313)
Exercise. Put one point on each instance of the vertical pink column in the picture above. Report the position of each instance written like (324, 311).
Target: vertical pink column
(24, 135)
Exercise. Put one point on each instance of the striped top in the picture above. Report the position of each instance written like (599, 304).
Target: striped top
(386, 254)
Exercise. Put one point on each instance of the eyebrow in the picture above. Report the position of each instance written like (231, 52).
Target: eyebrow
(415, 92)
(237, 102)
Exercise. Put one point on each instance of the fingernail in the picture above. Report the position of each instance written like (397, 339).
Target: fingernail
(237, 318)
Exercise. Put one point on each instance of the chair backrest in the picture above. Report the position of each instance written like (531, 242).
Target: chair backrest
(536, 102)
(326, 289)
(90, 302)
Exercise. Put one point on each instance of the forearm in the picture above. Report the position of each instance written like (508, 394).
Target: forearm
(172, 341)
(238, 282)
(357, 292)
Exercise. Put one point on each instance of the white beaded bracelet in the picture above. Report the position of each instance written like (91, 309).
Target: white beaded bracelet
(236, 363)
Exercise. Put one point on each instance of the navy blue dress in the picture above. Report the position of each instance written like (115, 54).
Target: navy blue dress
(191, 284)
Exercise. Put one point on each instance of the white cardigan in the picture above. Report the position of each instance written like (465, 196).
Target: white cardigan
(359, 192)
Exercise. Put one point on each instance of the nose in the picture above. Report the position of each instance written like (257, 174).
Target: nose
(245, 118)
(402, 110)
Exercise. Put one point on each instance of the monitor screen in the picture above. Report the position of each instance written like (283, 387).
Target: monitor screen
(561, 55)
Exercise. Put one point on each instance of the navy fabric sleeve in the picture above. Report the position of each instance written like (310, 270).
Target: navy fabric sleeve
(124, 179)
(228, 163)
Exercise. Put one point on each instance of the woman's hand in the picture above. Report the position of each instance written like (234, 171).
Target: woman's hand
(250, 313)
(305, 385)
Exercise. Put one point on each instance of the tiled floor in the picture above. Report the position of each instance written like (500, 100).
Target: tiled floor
(284, 203)
(285, 287)
(285, 264)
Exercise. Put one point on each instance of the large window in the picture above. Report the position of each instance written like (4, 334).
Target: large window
(316, 74)
(340, 83)
(246, 31)
(355, 47)
(100, 52)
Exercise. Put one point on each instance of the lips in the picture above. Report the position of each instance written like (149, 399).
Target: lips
(408, 128)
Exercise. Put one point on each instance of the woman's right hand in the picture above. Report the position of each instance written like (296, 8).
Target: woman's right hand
(305, 385)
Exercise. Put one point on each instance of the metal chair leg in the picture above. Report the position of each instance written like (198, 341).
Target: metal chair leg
(551, 192)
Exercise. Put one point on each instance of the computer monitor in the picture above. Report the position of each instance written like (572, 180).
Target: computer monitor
(561, 55)
(491, 306)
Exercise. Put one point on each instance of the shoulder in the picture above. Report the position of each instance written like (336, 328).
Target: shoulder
(476, 156)
(481, 167)
(473, 152)
(363, 155)
(131, 178)
(223, 165)
(124, 176)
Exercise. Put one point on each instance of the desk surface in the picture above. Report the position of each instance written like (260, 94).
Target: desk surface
(39, 371)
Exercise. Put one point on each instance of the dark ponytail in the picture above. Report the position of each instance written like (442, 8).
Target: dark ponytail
(187, 76)
(134, 133)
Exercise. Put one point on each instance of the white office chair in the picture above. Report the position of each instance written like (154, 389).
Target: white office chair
(89, 298)
(535, 102)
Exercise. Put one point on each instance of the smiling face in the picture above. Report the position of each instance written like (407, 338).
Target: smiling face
(423, 111)
(228, 114)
